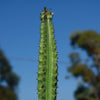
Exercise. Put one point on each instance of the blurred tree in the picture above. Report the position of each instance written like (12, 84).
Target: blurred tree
(8, 80)
(88, 41)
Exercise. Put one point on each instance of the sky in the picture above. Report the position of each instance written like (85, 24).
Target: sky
(20, 36)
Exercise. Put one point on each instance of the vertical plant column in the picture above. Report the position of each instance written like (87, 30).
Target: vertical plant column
(48, 69)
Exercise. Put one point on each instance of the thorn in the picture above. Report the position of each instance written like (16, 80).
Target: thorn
(45, 56)
(45, 44)
(44, 50)
(43, 86)
(44, 78)
(55, 84)
(45, 61)
(43, 97)
(56, 77)
(56, 70)
(55, 92)
(44, 72)
(44, 8)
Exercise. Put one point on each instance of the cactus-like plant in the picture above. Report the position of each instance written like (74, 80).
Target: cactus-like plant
(48, 69)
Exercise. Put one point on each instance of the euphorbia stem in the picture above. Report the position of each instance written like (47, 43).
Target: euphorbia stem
(48, 69)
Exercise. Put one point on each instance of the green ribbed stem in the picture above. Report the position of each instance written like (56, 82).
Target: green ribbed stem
(48, 69)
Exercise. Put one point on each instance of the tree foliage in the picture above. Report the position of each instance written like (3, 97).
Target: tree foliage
(11, 80)
(88, 41)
